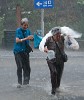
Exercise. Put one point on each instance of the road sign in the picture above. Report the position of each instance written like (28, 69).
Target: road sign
(43, 4)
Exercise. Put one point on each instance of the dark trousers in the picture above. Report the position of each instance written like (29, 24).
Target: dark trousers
(56, 71)
(22, 61)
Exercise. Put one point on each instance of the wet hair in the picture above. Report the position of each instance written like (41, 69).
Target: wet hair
(24, 20)
(55, 30)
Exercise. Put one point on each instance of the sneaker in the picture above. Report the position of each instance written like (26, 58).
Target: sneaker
(19, 85)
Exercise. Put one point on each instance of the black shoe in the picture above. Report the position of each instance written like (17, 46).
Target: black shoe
(19, 85)
(53, 91)
(25, 82)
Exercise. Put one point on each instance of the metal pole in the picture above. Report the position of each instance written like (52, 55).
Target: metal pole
(42, 21)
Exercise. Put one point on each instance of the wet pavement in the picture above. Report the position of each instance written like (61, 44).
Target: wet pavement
(72, 84)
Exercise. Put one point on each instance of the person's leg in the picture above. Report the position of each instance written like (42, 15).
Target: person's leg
(19, 67)
(59, 69)
(53, 74)
(26, 70)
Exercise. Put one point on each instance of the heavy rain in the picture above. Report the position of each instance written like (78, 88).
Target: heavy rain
(41, 18)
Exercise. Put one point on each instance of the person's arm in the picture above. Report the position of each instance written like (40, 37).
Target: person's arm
(46, 44)
(45, 49)
(21, 40)
(42, 43)
(28, 37)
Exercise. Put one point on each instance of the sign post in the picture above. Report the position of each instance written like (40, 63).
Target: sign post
(42, 21)
(42, 4)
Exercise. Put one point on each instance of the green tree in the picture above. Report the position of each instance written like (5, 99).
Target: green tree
(80, 2)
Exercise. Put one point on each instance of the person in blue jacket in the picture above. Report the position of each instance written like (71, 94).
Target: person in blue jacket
(23, 35)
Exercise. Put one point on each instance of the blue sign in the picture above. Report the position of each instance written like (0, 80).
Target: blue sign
(43, 3)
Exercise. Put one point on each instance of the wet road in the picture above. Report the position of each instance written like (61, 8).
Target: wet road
(72, 84)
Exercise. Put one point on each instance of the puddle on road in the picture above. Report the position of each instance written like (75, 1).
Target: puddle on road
(63, 93)
(42, 91)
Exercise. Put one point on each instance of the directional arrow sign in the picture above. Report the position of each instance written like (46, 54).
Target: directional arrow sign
(43, 3)
(38, 4)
